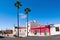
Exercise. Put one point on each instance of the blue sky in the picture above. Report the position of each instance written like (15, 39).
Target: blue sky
(44, 11)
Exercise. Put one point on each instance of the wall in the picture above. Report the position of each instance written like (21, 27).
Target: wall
(40, 33)
(33, 23)
(22, 32)
(53, 30)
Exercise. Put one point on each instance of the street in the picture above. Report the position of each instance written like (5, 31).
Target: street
(34, 38)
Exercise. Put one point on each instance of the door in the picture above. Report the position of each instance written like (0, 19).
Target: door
(45, 32)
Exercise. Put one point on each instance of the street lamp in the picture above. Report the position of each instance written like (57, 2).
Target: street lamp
(26, 12)
(17, 4)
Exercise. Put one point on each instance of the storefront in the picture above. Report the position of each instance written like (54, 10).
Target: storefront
(40, 31)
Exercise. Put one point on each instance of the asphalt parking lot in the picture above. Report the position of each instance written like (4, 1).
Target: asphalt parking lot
(34, 38)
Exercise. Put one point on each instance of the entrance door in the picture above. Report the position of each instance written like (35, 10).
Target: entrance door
(45, 32)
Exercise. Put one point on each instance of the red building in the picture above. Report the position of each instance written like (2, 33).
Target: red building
(40, 30)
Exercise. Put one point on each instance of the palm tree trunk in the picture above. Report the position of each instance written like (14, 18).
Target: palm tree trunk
(18, 20)
(27, 24)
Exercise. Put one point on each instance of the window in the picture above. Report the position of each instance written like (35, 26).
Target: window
(57, 28)
(25, 30)
(35, 33)
(20, 30)
(14, 30)
(45, 32)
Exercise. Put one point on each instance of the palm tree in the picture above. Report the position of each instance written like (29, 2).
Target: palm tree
(26, 12)
(17, 4)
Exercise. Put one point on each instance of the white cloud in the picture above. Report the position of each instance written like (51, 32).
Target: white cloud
(22, 15)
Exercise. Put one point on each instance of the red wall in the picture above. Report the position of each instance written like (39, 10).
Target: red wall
(37, 29)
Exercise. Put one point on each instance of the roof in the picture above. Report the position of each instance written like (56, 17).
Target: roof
(9, 31)
(6, 31)
(19, 27)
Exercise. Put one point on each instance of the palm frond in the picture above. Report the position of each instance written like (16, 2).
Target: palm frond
(27, 10)
(18, 4)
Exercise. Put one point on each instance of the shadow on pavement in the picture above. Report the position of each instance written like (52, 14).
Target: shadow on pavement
(2, 37)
